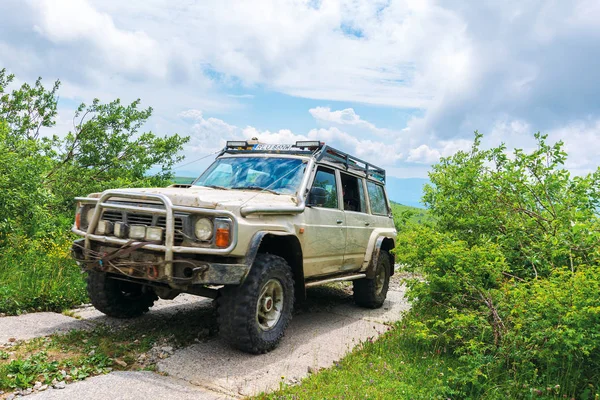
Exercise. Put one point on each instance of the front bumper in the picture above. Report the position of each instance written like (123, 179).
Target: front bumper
(151, 266)
(163, 262)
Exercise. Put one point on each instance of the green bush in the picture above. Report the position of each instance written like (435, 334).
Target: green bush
(510, 267)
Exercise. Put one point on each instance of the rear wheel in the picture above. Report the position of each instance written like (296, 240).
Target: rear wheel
(253, 316)
(117, 298)
(371, 293)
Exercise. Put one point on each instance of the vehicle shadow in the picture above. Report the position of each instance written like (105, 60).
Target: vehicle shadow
(324, 328)
(191, 318)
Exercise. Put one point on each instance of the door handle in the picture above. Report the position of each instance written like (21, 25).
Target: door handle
(339, 221)
(367, 223)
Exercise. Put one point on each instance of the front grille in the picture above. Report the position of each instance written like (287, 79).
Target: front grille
(113, 215)
(145, 219)
(139, 219)
(162, 222)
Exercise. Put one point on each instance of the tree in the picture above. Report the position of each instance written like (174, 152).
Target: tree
(105, 148)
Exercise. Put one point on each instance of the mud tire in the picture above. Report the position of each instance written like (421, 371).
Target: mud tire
(238, 305)
(367, 292)
(118, 299)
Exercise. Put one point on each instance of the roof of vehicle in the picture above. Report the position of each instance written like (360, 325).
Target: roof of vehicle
(314, 148)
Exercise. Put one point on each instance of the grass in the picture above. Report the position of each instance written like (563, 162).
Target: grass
(393, 367)
(39, 275)
(400, 365)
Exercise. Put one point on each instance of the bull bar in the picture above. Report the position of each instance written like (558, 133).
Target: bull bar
(169, 209)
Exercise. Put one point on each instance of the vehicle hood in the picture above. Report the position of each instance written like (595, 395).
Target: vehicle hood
(203, 197)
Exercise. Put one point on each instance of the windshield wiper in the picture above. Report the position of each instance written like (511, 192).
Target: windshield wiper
(216, 187)
(256, 188)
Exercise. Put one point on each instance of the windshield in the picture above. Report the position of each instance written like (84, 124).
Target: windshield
(279, 175)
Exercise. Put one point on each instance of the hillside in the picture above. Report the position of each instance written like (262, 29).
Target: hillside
(420, 214)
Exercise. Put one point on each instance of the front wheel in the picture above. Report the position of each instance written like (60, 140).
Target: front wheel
(253, 316)
(117, 298)
(371, 293)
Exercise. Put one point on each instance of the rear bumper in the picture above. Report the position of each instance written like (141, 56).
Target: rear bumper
(151, 266)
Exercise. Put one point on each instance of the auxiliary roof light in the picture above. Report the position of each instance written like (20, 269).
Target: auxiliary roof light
(237, 143)
(308, 143)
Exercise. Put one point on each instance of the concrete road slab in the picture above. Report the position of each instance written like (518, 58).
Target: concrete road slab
(314, 339)
(29, 326)
(129, 386)
(181, 303)
(394, 305)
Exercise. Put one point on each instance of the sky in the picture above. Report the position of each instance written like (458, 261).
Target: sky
(397, 83)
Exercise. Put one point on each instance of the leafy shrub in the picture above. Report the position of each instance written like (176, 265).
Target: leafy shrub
(510, 270)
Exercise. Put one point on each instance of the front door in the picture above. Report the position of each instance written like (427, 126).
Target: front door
(324, 238)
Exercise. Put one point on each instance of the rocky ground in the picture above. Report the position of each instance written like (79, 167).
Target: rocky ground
(189, 358)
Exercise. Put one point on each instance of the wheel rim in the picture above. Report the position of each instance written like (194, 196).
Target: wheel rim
(380, 280)
(270, 305)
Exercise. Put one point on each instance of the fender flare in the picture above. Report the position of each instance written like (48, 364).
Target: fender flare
(294, 259)
(370, 272)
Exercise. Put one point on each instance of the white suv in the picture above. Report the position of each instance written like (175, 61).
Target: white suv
(258, 227)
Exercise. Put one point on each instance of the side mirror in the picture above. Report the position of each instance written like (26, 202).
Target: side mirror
(317, 196)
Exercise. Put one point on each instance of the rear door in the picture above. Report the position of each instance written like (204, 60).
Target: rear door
(324, 239)
(358, 222)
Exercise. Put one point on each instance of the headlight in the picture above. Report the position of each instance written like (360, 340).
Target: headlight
(203, 229)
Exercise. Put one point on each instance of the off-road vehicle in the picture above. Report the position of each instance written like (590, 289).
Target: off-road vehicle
(258, 227)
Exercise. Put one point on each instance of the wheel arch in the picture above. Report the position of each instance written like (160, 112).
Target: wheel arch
(285, 246)
(382, 243)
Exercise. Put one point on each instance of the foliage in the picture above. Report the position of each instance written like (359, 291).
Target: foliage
(403, 215)
(41, 173)
(515, 239)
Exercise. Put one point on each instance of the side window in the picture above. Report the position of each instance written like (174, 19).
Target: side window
(325, 179)
(354, 194)
(377, 199)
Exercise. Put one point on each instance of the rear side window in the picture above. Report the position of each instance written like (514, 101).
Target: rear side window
(377, 199)
(354, 193)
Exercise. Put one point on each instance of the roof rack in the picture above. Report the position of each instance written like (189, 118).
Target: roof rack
(317, 149)
(337, 156)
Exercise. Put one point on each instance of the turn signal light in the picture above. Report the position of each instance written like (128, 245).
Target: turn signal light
(222, 233)
(78, 219)
(222, 238)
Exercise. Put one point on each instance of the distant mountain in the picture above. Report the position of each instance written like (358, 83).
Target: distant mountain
(407, 191)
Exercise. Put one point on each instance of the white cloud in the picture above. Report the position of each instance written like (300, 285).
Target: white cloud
(210, 134)
(424, 155)
(347, 117)
(582, 144)
(207, 135)
(506, 69)
(78, 22)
